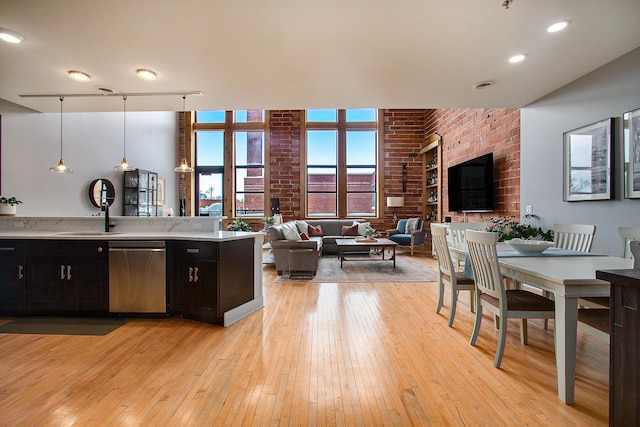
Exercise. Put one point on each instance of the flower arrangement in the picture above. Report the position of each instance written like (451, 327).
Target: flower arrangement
(269, 220)
(508, 228)
(239, 225)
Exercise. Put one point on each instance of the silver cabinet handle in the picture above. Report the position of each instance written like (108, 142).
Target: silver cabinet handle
(196, 274)
(193, 251)
(68, 272)
(190, 274)
(20, 272)
(62, 272)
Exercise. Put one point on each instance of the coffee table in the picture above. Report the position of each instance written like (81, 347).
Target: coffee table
(370, 244)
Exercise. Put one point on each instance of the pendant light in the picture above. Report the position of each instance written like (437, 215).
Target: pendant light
(124, 165)
(61, 167)
(184, 167)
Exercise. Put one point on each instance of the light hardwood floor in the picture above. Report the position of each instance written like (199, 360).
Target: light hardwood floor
(362, 354)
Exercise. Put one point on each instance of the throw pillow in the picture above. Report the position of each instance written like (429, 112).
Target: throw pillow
(361, 226)
(303, 227)
(412, 224)
(303, 236)
(350, 230)
(290, 233)
(315, 231)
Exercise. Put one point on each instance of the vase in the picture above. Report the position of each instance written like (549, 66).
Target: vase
(8, 210)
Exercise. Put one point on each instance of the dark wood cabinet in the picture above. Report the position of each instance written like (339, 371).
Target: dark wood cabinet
(67, 276)
(624, 357)
(12, 276)
(210, 278)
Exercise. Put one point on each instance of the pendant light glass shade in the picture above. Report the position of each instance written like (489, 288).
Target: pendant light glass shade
(184, 167)
(124, 165)
(61, 167)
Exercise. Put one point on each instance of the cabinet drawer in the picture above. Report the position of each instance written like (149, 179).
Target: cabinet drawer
(196, 250)
(13, 248)
(69, 248)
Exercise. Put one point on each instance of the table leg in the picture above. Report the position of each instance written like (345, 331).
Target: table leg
(566, 330)
(394, 256)
(340, 255)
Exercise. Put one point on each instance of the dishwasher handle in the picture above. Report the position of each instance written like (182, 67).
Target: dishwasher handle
(137, 250)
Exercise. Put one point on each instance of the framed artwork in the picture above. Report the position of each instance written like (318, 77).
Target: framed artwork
(162, 184)
(588, 162)
(632, 154)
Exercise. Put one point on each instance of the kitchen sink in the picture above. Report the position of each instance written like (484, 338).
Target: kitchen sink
(87, 233)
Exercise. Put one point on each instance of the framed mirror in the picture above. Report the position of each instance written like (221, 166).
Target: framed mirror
(101, 191)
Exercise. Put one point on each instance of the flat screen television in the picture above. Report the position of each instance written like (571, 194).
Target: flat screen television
(471, 185)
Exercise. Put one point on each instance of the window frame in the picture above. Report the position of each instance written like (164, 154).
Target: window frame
(342, 127)
(229, 127)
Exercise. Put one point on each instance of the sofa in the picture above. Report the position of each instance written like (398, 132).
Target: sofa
(297, 245)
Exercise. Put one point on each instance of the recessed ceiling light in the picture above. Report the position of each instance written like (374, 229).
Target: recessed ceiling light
(79, 76)
(558, 26)
(145, 74)
(10, 36)
(517, 58)
(483, 85)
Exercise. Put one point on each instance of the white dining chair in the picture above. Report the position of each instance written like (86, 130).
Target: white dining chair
(627, 234)
(576, 237)
(456, 234)
(634, 248)
(447, 274)
(492, 295)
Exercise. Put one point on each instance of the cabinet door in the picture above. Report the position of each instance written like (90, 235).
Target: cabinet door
(88, 284)
(196, 289)
(12, 298)
(48, 288)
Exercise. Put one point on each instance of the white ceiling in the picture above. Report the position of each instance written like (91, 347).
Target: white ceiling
(290, 54)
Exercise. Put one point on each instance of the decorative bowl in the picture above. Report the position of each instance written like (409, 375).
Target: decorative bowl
(529, 246)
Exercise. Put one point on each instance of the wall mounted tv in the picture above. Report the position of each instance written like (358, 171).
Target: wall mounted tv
(471, 185)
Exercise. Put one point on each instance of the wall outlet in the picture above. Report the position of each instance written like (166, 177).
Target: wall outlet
(528, 210)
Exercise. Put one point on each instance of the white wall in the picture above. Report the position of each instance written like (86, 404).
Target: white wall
(92, 146)
(609, 91)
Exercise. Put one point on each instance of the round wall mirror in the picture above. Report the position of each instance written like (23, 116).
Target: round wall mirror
(101, 191)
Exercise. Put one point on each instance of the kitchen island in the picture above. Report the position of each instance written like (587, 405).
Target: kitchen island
(58, 269)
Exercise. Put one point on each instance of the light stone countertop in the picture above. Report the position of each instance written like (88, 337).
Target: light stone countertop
(213, 236)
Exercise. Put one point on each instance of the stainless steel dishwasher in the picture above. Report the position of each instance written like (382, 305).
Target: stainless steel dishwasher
(137, 277)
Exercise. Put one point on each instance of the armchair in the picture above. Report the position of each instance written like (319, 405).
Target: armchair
(409, 232)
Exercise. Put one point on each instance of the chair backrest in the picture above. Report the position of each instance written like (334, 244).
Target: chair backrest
(441, 246)
(576, 237)
(627, 234)
(634, 248)
(484, 260)
(457, 229)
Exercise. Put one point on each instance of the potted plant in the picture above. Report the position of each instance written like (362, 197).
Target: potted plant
(8, 206)
(509, 228)
(239, 225)
(268, 222)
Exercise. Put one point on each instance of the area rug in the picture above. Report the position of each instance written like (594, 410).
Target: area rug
(62, 325)
(373, 271)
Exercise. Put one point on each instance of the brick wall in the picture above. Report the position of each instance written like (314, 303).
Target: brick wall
(285, 161)
(469, 133)
(403, 135)
(466, 133)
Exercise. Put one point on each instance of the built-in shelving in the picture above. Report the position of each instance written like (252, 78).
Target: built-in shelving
(431, 153)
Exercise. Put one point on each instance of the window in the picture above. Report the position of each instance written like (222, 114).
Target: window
(341, 163)
(231, 144)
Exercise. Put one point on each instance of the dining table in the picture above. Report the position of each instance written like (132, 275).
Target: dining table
(568, 275)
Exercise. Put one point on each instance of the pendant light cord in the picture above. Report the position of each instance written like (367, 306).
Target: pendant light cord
(61, 99)
(124, 128)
